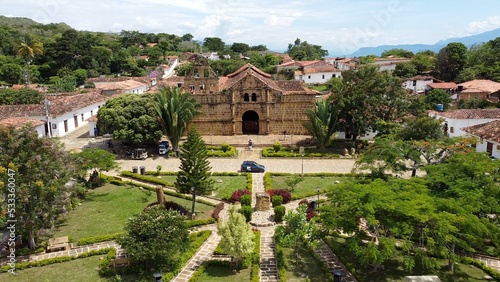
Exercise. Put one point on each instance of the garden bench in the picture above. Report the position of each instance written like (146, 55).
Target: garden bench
(119, 262)
(58, 244)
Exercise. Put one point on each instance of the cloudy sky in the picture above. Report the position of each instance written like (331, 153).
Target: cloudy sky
(340, 26)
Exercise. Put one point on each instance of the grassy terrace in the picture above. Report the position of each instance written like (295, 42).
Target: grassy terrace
(79, 270)
(106, 209)
(309, 185)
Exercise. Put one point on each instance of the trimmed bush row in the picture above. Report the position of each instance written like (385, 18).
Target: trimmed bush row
(154, 172)
(223, 151)
(491, 272)
(24, 265)
(98, 239)
(165, 191)
(146, 178)
(199, 222)
(270, 152)
(254, 273)
(280, 261)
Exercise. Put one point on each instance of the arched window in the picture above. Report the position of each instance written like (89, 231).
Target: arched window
(254, 97)
(246, 97)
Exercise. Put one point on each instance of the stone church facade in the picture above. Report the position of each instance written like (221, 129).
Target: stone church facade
(247, 101)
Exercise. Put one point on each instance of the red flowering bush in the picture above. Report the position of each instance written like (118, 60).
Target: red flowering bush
(236, 196)
(169, 205)
(287, 196)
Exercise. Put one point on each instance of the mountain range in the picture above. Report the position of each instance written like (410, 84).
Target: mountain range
(467, 41)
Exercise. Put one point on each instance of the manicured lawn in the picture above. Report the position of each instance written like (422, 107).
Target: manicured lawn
(306, 267)
(219, 273)
(394, 272)
(83, 270)
(310, 184)
(226, 185)
(105, 210)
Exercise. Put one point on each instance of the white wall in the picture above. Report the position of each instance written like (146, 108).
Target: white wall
(368, 136)
(481, 147)
(457, 124)
(319, 77)
(420, 87)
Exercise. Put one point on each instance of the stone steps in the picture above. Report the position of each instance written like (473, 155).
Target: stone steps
(333, 263)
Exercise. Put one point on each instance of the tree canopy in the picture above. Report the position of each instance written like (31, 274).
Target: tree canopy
(303, 51)
(130, 118)
(43, 173)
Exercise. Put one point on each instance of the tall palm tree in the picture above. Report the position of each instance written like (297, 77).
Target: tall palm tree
(175, 110)
(28, 48)
(321, 123)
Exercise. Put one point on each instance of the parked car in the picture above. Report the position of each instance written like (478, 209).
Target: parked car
(163, 148)
(251, 166)
(139, 154)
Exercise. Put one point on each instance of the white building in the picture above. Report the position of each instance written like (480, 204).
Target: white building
(418, 84)
(62, 114)
(19, 122)
(488, 135)
(129, 86)
(311, 72)
(457, 119)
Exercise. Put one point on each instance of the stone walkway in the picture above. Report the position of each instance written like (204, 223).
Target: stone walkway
(492, 262)
(268, 263)
(333, 263)
(72, 252)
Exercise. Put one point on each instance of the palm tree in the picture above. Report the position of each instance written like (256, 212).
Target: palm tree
(321, 123)
(28, 48)
(175, 110)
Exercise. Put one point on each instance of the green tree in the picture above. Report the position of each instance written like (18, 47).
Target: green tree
(303, 51)
(321, 123)
(422, 128)
(214, 44)
(424, 61)
(96, 160)
(194, 170)
(27, 49)
(11, 73)
(397, 52)
(364, 97)
(437, 96)
(405, 70)
(9, 96)
(240, 47)
(297, 231)
(130, 118)
(451, 60)
(155, 238)
(237, 235)
(175, 110)
(42, 171)
(293, 181)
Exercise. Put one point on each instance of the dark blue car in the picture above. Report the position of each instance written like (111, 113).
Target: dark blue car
(251, 166)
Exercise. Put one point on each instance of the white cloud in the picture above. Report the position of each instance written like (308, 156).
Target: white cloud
(482, 26)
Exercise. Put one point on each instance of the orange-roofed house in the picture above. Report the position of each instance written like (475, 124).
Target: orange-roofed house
(488, 135)
(479, 88)
(19, 122)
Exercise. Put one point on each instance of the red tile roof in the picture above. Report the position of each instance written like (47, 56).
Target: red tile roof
(443, 85)
(58, 105)
(481, 85)
(19, 122)
(286, 87)
(488, 131)
(470, 114)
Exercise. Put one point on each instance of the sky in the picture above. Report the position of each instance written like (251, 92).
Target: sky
(339, 26)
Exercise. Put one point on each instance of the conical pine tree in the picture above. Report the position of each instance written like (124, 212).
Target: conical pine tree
(195, 168)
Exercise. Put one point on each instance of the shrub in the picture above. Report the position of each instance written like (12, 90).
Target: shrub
(224, 147)
(246, 200)
(277, 200)
(310, 213)
(158, 169)
(97, 239)
(218, 208)
(169, 205)
(236, 196)
(304, 202)
(287, 196)
(277, 146)
(247, 212)
(279, 213)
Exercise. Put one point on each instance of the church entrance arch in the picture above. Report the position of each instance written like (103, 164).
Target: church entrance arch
(250, 122)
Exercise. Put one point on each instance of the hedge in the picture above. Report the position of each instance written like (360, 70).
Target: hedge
(255, 271)
(491, 272)
(98, 239)
(44, 262)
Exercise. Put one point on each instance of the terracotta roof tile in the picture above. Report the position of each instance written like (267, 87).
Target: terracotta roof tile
(19, 122)
(481, 85)
(58, 105)
(470, 114)
(443, 85)
(489, 131)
